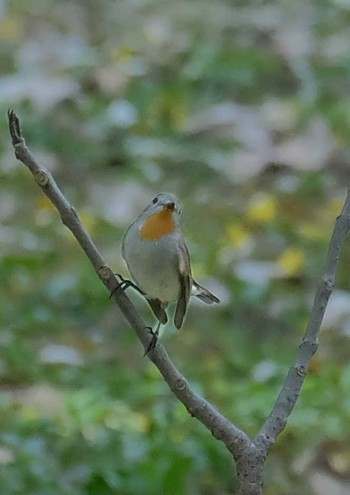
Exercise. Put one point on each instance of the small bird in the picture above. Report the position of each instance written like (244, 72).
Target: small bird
(159, 262)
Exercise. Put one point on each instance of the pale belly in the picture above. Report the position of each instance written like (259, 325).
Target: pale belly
(153, 267)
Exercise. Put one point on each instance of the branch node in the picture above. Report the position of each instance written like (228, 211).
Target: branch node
(329, 284)
(42, 178)
(180, 384)
(301, 370)
(311, 344)
(105, 273)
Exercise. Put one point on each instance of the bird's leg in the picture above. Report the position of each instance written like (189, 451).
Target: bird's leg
(124, 284)
(153, 340)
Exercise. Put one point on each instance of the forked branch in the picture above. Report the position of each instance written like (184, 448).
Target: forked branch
(248, 454)
(235, 440)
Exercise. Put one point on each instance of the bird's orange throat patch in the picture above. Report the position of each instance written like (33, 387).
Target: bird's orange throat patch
(158, 225)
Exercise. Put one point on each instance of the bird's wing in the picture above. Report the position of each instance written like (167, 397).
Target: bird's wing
(158, 309)
(185, 279)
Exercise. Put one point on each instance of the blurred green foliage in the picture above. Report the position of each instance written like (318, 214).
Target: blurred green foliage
(242, 110)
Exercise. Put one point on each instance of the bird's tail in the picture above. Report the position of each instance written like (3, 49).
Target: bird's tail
(204, 294)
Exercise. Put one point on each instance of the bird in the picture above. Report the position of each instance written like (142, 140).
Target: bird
(158, 260)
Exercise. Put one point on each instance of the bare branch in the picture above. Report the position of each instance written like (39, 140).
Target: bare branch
(249, 455)
(289, 394)
(236, 441)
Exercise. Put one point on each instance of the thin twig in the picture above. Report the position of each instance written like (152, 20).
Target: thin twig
(290, 391)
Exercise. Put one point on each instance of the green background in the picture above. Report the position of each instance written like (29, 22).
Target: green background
(242, 110)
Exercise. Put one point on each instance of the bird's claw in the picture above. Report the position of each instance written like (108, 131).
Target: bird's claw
(123, 285)
(153, 341)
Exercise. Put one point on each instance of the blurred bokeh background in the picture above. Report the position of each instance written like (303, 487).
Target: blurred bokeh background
(242, 109)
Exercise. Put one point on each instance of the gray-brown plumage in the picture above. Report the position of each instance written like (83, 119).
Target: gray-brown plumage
(159, 261)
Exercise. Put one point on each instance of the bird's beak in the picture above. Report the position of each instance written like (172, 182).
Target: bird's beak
(170, 205)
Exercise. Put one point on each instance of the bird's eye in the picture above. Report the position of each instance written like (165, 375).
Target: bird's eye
(155, 200)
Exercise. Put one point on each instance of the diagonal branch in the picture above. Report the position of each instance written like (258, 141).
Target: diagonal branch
(290, 392)
(236, 441)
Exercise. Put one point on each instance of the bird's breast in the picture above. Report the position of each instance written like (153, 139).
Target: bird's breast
(159, 225)
(153, 264)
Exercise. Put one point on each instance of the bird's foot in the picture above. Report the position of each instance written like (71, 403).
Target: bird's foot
(125, 284)
(153, 341)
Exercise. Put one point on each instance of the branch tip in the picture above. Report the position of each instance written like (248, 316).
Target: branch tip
(14, 127)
